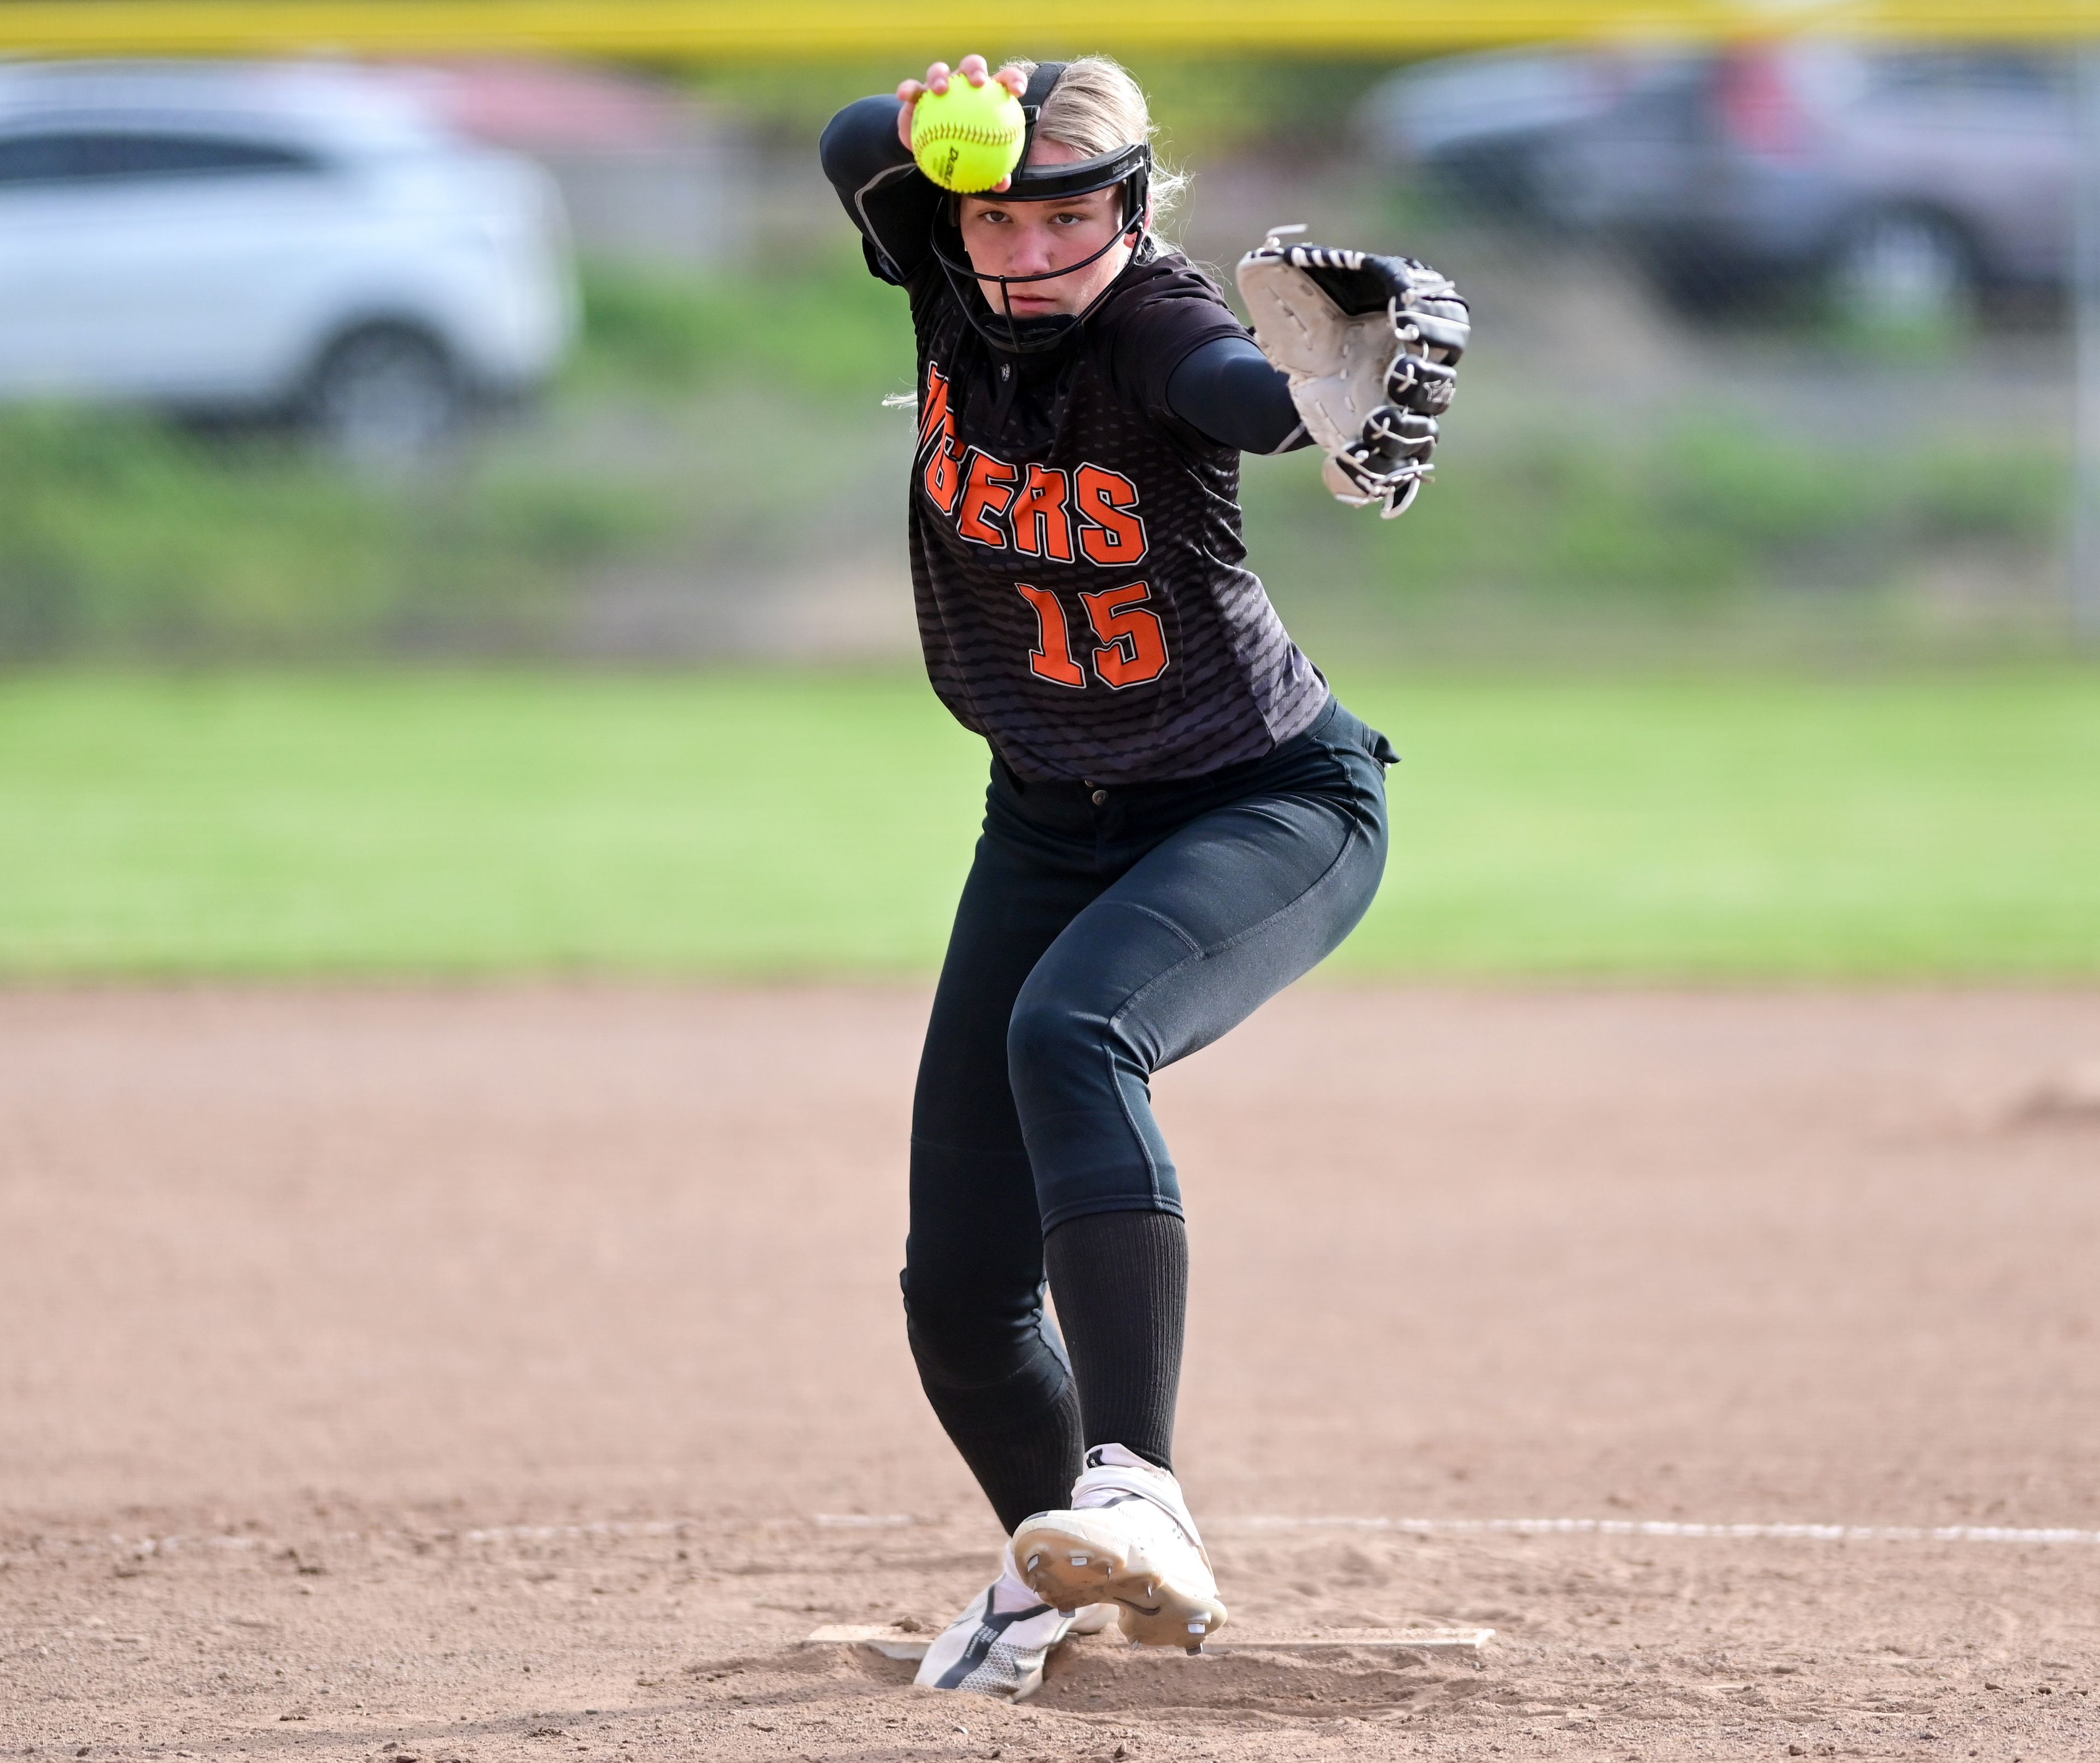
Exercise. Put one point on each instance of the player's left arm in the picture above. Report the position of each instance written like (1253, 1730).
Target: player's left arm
(1227, 390)
(1184, 359)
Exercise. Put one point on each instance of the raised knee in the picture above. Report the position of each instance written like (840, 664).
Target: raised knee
(1044, 1035)
(947, 1350)
(985, 1361)
(965, 1337)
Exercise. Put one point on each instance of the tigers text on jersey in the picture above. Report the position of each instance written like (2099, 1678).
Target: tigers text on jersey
(1076, 554)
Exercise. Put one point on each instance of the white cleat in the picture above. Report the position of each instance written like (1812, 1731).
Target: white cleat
(1127, 1541)
(999, 1644)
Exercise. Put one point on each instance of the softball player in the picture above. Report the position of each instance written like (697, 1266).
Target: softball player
(1181, 819)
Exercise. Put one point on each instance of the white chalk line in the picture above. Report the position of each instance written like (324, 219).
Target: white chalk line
(2048, 1536)
(1658, 1527)
(542, 1533)
(1810, 1533)
(145, 1546)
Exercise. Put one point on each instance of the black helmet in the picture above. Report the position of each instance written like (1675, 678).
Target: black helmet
(1131, 166)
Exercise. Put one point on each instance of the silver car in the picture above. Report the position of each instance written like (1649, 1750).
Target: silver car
(267, 240)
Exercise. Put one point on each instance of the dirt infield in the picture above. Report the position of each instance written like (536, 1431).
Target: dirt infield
(518, 1374)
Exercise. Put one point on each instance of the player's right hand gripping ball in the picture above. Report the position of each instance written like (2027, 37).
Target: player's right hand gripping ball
(1371, 345)
(968, 137)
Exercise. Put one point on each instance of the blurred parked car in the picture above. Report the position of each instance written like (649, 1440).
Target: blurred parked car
(266, 241)
(1898, 184)
(650, 175)
(1491, 127)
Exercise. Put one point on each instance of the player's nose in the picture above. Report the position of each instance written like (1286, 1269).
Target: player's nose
(1035, 250)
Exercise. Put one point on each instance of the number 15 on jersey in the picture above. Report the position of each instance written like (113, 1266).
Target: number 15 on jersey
(1132, 642)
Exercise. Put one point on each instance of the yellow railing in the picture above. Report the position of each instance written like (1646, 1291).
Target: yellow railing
(703, 29)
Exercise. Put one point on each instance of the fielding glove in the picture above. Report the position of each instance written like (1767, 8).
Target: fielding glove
(1371, 345)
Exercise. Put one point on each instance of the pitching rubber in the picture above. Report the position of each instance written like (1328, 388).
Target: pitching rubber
(1071, 1563)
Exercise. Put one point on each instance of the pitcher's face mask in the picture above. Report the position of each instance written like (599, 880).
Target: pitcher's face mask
(987, 300)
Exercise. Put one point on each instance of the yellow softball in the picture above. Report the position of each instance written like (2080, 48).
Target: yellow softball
(968, 137)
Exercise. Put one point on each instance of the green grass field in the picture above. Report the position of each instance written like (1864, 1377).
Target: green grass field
(1906, 826)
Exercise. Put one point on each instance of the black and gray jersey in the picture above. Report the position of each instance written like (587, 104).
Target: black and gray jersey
(1077, 560)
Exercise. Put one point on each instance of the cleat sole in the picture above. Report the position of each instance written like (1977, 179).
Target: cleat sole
(1068, 1564)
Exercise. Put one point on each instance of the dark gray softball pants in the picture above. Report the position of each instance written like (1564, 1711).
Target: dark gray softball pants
(1096, 941)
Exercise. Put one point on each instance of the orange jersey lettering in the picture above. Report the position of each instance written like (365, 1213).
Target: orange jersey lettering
(943, 477)
(986, 490)
(1042, 520)
(1113, 536)
(1052, 657)
(943, 473)
(935, 417)
(1133, 651)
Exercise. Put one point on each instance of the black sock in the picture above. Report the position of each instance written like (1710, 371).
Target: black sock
(1121, 1280)
(1019, 1432)
(1026, 1467)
